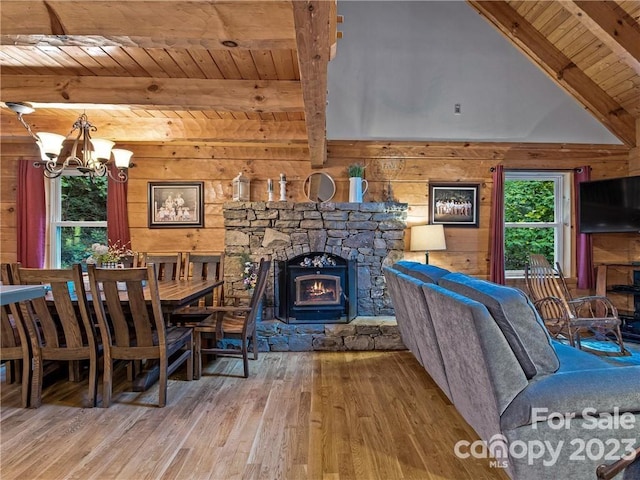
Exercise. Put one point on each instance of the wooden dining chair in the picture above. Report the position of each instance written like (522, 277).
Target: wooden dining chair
(232, 322)
(205, 266)
(576, 319)
(168, 265)
(132, 326)
(14, 343)
(59, 326)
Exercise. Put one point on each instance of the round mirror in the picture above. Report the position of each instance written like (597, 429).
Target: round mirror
(319, 187)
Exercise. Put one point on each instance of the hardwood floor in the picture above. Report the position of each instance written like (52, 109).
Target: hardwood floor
(310, 415)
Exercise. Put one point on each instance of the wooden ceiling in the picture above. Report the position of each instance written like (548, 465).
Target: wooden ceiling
(255, 72)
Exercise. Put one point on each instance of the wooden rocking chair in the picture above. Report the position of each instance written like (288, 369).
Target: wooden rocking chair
(591, 317)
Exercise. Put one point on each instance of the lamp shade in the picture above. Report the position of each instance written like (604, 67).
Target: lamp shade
(122, 157)
(102, 148)
(425, 238)
(50, 144)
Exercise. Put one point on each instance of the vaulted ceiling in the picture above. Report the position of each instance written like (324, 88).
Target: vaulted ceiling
(255, 72)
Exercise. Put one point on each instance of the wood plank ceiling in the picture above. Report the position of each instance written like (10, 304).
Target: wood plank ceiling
(255, 72)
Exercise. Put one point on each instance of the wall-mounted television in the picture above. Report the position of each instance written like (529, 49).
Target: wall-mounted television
(610, 206)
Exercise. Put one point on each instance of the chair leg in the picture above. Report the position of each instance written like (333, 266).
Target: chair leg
(107, 378)
(36, 383)
(197, 350)
(618, 334)
(26, 382)
(245, 357)
(93, 382)
(163, 381)
(190, 359)
(254, 341)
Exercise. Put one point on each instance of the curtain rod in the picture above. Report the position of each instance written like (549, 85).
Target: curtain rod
(576, 169)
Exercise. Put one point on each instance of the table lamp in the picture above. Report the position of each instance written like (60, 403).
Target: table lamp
(425, 238)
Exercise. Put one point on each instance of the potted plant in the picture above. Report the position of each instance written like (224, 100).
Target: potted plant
(357, 185)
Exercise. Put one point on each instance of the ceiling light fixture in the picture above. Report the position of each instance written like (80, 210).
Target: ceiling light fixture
(92, 158)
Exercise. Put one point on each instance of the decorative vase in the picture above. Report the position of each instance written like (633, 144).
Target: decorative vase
(357, 188)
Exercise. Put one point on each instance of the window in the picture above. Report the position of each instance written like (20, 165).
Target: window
(535, 219)
(78, 217)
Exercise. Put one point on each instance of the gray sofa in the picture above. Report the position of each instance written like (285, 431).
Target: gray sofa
(524, 394)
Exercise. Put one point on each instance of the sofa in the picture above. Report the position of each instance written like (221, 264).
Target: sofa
(542, 408)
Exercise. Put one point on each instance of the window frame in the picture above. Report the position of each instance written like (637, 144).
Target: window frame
(55, 219)
(562, 213)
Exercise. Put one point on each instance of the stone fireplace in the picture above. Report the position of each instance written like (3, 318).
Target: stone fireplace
(365, 236)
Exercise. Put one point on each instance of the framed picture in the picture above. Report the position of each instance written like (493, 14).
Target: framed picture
(454, 204)
(176, 204)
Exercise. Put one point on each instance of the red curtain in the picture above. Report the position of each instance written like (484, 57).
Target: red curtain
(117, 218)
(584, 242)
(496, 228)
(32, 215)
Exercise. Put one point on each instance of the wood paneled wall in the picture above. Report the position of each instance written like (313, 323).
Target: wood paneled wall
(407, 167)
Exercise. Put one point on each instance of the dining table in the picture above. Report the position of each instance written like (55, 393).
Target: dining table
(18, 293)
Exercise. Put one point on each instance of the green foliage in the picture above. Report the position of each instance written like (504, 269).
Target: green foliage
(82, 199)
(356, 170)
(531, 202)
(520, 242)
(77, 240)
(528, 201)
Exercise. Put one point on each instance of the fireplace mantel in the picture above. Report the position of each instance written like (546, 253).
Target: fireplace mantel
(371, 233)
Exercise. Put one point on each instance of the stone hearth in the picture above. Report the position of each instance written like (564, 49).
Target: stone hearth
(370, 233)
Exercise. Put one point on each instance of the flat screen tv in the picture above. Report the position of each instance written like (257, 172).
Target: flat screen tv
(610, 206)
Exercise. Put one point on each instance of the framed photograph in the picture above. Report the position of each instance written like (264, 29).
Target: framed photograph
(454, 204)
(176, 204)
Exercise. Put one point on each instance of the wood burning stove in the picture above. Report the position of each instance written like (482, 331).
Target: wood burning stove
(317, 288)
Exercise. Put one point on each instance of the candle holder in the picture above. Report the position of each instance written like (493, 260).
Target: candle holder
(270, 190)
(283, 188)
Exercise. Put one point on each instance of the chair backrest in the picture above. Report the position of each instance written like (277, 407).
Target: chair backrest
(206, 266)
(168, 265)
(256, 298)
(73, 327)
(125, 319)
(12, 334)
(544, 281)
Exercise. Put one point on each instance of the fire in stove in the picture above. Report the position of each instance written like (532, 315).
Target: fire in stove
(318, 290)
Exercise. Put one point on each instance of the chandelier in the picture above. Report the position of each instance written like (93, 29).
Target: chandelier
(90, 156)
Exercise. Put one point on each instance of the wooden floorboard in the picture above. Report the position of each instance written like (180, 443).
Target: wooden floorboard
(306, 416)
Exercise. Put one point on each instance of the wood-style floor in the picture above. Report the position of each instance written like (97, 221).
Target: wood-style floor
(310, 415)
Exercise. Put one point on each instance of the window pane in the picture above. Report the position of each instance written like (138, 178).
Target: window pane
(83, 199)
(76, 241)
(520, 242)
(529, 201)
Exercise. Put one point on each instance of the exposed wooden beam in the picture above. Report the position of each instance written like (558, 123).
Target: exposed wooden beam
(163, 93)
(166, 129)
(312, 23)
(157, 24)
(559, 67)
(611, 27)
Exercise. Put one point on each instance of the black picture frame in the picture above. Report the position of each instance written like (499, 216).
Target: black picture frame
(454, 204)
(176, 204)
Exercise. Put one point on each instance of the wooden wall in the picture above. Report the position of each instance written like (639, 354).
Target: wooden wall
(407, 166)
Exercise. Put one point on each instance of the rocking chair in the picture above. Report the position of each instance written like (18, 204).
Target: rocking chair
(577, 320)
